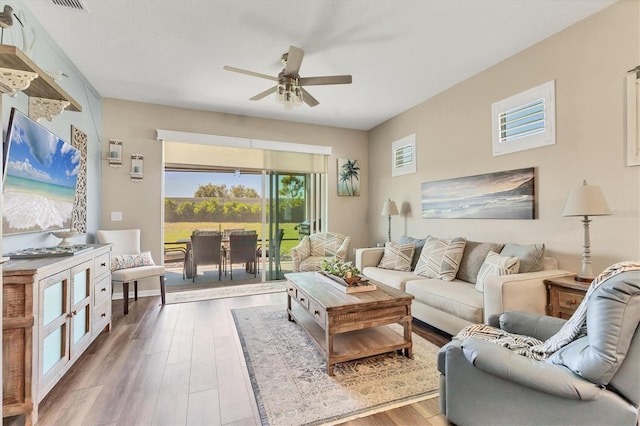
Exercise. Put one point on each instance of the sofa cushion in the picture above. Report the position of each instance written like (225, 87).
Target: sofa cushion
(397, 256)
(473, 257)
(419, 244)
(395, 279)
(455, 297)
(530, 256)
(311, 263)
(496, 265)
(440, 258)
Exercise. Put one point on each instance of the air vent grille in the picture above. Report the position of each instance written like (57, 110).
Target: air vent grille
(71, 4)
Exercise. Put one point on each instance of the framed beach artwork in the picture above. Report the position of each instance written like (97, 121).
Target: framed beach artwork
(501, 195)
(348, 177)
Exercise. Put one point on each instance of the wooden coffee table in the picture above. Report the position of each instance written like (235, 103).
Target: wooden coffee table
(349, 326)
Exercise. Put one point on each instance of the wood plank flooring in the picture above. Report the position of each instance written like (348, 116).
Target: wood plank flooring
(179, 365)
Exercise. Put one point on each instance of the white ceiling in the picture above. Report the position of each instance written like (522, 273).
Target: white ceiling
(400, 52)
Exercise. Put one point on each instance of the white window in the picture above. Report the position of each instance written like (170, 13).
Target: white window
(403, 156)
(524, 121)
(633, 117)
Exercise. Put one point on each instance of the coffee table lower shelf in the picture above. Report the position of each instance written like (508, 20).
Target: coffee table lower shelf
(350, 345)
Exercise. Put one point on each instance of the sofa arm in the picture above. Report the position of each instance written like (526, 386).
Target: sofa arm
(300, 252)
(368, 257)
(341, 254)
(519, 292)
(539, 375)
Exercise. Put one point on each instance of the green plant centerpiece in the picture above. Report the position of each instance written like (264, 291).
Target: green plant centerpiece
(345, 270)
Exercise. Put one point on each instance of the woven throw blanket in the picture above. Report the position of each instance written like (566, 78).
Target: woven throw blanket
(573, 329)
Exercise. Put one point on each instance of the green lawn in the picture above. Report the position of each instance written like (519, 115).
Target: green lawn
(174, 231)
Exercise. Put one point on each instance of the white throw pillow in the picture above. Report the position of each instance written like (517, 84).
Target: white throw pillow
(494, 266)
(440, 258)
(397, 256)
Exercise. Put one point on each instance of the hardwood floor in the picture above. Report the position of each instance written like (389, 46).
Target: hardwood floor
(149, 371)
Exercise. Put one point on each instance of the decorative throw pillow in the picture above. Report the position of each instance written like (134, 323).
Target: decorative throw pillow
(397, 256)
(472, 259)
(125, 261)
(496, 265)
(440, 258)
(419, 244)
(530, 256)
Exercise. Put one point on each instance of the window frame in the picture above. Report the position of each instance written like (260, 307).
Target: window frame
(544, 92)
(408, 142)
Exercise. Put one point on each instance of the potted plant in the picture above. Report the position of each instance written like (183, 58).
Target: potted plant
(345, 270)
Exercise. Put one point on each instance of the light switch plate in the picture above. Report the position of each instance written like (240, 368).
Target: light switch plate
(116, 216)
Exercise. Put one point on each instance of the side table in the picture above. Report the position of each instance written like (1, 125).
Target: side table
(564, 294)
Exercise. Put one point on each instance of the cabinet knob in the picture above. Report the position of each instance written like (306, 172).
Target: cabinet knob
(104, 289)
(302, 299)
(104, 314)
(103, 264)
(316, 312)
(74, 313)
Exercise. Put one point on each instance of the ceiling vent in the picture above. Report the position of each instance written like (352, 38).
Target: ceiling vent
(70, 4)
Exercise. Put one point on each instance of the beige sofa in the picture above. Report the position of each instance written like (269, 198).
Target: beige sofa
(452, 305)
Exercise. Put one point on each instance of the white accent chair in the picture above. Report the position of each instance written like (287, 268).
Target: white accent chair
(127, 241)
(308, 254)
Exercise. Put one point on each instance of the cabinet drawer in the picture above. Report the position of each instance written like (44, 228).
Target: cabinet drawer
(101, 317)
(102, 291)
(569, 300)
(291, 291)
(318, 314)
(303, 299)
(102, 264)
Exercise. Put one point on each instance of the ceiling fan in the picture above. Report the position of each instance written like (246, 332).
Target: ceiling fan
(290, 90)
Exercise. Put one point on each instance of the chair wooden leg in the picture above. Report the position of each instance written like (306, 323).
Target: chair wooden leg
(135, 290)
(162, 290)
(125, 294)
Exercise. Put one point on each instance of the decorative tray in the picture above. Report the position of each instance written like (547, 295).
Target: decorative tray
(341, 284)
(56, 251)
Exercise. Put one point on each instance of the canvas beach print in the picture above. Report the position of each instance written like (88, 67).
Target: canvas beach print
(348, 177)
(41, 172)
(500, 195)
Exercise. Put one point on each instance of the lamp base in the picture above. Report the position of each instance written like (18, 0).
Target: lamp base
(584, 278)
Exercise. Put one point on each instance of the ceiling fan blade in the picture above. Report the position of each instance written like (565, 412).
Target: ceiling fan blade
(263, 94)
(308, 99)
(317, 81)
(294, 60)
(255, 74)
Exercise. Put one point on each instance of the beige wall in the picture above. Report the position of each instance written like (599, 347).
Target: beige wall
(141, 202)
(588, 61)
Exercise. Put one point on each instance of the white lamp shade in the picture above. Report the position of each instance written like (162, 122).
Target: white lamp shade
(586, 200)
(389, 209)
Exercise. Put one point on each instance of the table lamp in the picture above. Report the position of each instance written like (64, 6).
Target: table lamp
(586, 200)
(389, 209)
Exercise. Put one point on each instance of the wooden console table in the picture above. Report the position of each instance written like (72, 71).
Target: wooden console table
(53, 308)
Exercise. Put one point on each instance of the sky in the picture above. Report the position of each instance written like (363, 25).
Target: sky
(185, 184)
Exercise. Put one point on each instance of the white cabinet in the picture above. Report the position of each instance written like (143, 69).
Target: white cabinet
(70, 307)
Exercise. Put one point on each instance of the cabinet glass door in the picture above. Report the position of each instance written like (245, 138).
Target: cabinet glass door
(54, 310)
(80, 307)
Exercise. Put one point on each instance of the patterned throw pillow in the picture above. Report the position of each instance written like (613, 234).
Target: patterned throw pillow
(397, 256)
(440, 258)
(530, 256)
(494, 266)
(125, 261)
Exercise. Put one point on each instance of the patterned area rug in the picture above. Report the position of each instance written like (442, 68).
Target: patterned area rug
(224, 292)
(288, 374)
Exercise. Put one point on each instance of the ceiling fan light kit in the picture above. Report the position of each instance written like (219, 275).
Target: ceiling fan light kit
(289, 90)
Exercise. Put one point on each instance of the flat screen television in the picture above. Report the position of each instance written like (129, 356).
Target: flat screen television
(39, 180)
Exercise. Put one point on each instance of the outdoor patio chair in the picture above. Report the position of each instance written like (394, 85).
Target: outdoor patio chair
(243, 248)
(206, 250)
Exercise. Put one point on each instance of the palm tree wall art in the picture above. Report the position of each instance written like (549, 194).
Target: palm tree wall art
(348, 177)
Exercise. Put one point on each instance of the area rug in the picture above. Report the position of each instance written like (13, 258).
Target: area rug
(224, 292)
(291, 387)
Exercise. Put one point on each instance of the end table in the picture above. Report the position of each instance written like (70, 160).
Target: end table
(564, 294)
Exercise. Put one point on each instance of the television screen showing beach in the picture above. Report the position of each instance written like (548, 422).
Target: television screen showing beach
(40, 179)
